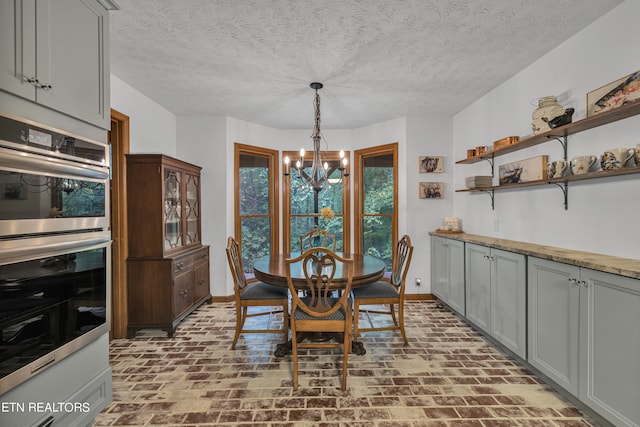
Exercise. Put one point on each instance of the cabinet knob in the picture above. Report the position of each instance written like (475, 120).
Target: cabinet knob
(180, 265)
(201, 282)
(184, 293)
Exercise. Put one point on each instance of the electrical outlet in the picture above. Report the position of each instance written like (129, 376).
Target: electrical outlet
(418, 281)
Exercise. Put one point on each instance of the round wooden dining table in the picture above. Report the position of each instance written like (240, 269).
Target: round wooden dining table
(273, 270)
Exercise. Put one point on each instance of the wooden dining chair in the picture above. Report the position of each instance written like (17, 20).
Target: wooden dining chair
(317, 237)
(256, 294)
(384, 292)
(319, 310)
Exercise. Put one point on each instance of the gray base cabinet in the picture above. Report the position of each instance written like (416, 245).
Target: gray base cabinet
(496, 289)
(553, 307)
(447, 272)
(610, 346)
(583, 334)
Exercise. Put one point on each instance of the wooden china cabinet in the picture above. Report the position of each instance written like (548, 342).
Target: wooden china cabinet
(168, 267)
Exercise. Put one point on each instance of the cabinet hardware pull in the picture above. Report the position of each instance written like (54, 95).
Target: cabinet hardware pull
(180, 265)
(201, 282)
(33, 80)
(184, 293)
(45, 86)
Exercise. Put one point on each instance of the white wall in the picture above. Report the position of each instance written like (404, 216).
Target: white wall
(426, 136)
(152, 127)
(602, 213)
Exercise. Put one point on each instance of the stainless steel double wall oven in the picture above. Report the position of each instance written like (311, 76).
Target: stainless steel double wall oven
(55, 246)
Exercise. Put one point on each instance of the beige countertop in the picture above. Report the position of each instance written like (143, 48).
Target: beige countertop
(623, 266)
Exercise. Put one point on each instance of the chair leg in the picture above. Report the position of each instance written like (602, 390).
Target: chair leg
(356, 315)
(401, 316)
(285, 314)
(345, 356)
(392, 311)
(240, 317)
(294, 354)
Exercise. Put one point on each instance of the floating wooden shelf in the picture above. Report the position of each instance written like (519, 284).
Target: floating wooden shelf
(560, 134)
(607, 117)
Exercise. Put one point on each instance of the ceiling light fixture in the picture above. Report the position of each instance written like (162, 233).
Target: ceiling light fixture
(317, 177)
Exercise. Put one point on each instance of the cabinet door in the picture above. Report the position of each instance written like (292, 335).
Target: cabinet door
(508, 300)
(455, 250)
(192, 209)
(17, 47)
(182, 293)
(439, 268)
(553, 315)
(478, 285)
(72, 57)
(172, 206)
(610, 346)
(201, 286)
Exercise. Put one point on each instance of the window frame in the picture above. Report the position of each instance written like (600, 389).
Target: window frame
(358, 191)
(272, 158)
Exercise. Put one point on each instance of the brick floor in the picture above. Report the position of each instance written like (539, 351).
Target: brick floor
(448, 375)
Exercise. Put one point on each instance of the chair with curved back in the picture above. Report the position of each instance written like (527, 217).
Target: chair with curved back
(257, 294)
(317, 237)
(383, 292)
(319, 310)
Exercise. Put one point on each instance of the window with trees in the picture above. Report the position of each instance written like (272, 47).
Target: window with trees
(376, 200)
(303, 208)
(256, 195)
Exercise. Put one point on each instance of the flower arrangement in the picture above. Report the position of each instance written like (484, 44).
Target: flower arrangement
(326, 213)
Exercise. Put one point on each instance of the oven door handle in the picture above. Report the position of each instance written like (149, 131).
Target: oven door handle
(17, 250)
(25, 162)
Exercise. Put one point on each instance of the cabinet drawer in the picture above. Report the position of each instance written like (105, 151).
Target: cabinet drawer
(182, 264)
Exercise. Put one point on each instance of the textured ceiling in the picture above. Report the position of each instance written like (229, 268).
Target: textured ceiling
(378, 59)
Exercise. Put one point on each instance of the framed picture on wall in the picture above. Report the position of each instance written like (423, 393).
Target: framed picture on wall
(623, 91)
(430, 164)
(431, 190)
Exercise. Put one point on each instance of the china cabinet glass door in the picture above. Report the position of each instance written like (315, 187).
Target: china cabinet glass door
(192, 209)
(172, 210)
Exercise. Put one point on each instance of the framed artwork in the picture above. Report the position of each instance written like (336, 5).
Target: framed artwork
(430, 164)
(615, 94)
(13, 191)
(431, 190)
(532, 169)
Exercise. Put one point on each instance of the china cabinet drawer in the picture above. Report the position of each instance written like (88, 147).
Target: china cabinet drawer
(182, 264)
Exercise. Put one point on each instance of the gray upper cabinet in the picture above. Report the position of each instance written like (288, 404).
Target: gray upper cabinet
(447, 273)
(496, 289)
(55, 54)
